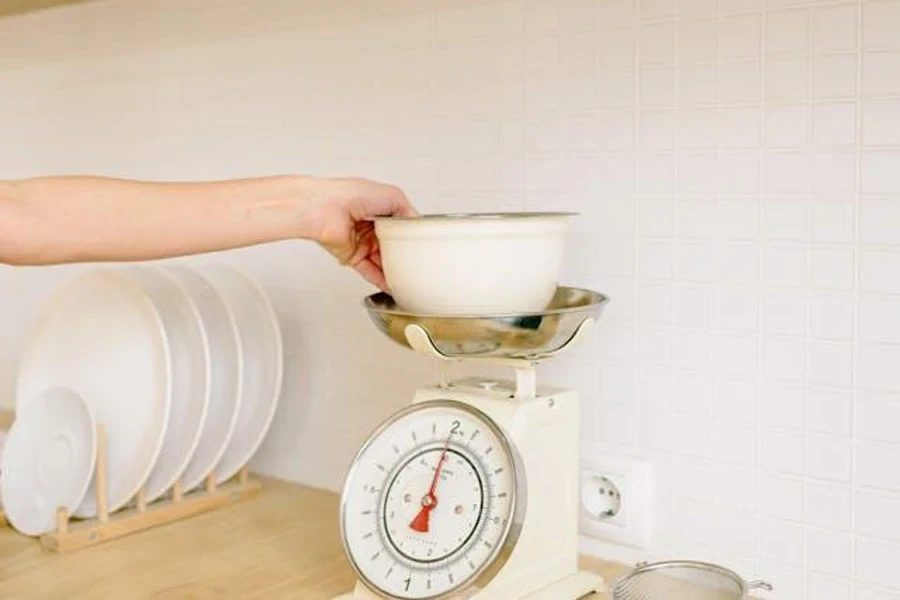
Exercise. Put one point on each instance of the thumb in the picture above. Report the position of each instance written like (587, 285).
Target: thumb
(383, 200)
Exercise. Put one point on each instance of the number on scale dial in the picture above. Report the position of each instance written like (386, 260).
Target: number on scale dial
(430, 501)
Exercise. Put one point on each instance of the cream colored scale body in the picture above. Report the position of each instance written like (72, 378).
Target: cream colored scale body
(520, 540)
(544, 430)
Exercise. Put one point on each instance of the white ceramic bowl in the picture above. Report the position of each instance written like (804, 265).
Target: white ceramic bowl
(473, 264)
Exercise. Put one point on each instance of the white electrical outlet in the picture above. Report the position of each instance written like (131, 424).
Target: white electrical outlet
(617, 500)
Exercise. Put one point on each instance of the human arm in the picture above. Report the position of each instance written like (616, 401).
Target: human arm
(52, 220)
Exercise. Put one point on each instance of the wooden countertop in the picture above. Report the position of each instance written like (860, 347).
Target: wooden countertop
(9, 8)
(282, 544)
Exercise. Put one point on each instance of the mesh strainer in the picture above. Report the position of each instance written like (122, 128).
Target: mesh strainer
(684, 579)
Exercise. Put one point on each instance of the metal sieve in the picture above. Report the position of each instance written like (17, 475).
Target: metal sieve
(669, 580)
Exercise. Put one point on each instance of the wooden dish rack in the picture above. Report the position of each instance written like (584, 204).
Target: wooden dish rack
(71, 535)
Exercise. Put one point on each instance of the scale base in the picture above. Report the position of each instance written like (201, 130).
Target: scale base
(577, 585)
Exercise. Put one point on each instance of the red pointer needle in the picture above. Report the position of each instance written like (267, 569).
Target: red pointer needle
(429, 500)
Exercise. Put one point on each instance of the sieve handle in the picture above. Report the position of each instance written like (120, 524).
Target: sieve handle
(759, 585)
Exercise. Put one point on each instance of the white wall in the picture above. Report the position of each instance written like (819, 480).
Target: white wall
(736, 164)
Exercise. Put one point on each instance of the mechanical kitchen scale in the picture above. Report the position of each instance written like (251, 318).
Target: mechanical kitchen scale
(472, 491)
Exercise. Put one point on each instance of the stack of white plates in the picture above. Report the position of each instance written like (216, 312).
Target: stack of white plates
(181, 366)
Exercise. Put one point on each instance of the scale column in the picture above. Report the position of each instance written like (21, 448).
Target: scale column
(526, 381)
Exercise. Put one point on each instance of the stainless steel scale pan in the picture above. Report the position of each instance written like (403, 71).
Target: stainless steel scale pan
(527, 336)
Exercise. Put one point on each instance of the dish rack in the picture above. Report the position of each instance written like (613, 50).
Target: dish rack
(74, 534)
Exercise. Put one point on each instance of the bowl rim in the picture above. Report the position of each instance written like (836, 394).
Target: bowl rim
(477, 216)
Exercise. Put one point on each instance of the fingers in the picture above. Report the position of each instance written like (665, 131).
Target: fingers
(404, 207)
(371, 273)
(364, 200)
(382, 200)
(366, 241)
(366, 257)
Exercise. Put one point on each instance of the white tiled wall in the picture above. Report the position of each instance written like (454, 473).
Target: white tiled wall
(736, 164)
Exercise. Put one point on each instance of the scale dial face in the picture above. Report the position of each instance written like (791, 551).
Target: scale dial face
(433, 502)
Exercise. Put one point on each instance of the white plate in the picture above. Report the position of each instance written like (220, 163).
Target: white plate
(48, 461)
(261, 344)
(101, 337)
(226, 363)
(190, 375)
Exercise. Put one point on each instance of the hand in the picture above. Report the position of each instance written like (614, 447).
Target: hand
(342, 215)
